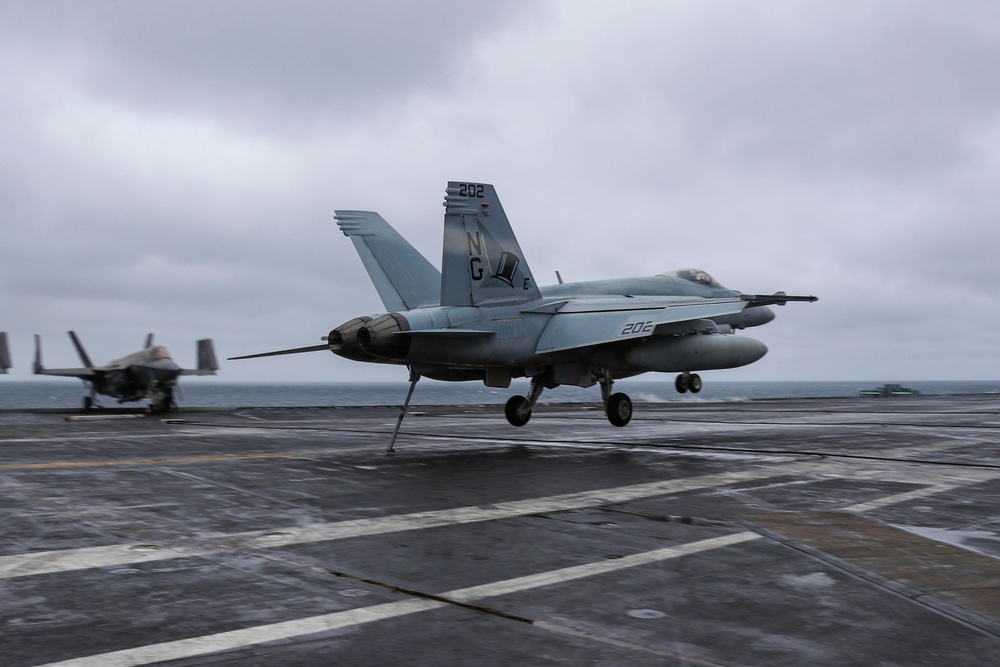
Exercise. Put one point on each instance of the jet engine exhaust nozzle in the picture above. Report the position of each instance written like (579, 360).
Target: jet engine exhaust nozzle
(345, 337)
(381, 337)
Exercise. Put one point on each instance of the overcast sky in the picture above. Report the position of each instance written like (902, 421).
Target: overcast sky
(174, 167)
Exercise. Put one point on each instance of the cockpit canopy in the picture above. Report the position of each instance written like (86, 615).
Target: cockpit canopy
(694, 276)
(157, 352)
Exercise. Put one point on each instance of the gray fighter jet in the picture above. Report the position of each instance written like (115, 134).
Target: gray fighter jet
(5, 364)
(483, 317)
(147, 374)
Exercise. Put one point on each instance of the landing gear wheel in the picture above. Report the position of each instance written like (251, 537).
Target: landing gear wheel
(88, 404)
(517, 411)
(619, 409)
(681, 384)
(694, 383)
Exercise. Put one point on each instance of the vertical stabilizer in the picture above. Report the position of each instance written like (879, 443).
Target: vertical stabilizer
(402, 276)
(149, 342)
(206, 356)
(207, 363)
(482, 260)
(37, 366)
(4, 353)
(79, 350)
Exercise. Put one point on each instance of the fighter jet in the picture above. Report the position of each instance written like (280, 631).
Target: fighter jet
(147, 374)
(4, 353)
(483, 316)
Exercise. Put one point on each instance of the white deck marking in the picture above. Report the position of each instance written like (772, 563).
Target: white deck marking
(236, 639)
(26, 564)
(903, 497)
(30, 564)
(23, 565)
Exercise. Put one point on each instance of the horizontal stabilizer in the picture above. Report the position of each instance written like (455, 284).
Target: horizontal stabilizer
(295, 350)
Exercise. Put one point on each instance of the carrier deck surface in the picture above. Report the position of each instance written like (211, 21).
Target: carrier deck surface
(785, 532)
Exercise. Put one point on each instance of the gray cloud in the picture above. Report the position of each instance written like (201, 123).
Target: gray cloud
(175, 166)
(258, 62)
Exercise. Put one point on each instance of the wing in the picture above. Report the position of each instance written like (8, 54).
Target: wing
(82, 373)
(595, 321)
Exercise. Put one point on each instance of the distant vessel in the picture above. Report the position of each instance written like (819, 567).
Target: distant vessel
(890, 390)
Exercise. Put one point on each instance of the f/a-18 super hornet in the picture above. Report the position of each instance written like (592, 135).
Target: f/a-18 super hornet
(147, 374)
(483, 317)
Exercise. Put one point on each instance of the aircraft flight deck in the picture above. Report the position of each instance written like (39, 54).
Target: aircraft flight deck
(784, 532)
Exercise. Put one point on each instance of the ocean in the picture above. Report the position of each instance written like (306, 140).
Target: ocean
(198, 392)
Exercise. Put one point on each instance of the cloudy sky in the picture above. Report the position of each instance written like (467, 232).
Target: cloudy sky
(174, 167)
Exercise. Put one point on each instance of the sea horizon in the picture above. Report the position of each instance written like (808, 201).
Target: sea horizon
(205, 392)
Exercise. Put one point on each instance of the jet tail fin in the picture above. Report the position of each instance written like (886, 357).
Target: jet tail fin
(149, 341)
(37, 366)
(402, 276)
(4, 353)
(86, 374)
(207, 363)
(79, 349)
(482, 260)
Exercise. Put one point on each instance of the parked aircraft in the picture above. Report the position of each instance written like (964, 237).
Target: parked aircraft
(5, 364)
(147, 374)
(483, 317)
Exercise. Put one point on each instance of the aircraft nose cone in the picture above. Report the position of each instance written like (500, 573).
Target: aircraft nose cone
(160, 370)
(162, 365)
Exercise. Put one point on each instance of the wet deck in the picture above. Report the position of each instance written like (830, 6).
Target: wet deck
(791, 532)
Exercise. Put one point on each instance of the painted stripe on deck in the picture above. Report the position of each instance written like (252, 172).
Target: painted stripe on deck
(23, 565)
(236, 639)
(878, 503)
(163, 460)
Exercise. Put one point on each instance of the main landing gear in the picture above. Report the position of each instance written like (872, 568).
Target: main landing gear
(618, 407)
(90, 400)
(162, 399)
(688, 382)
(518, 408)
